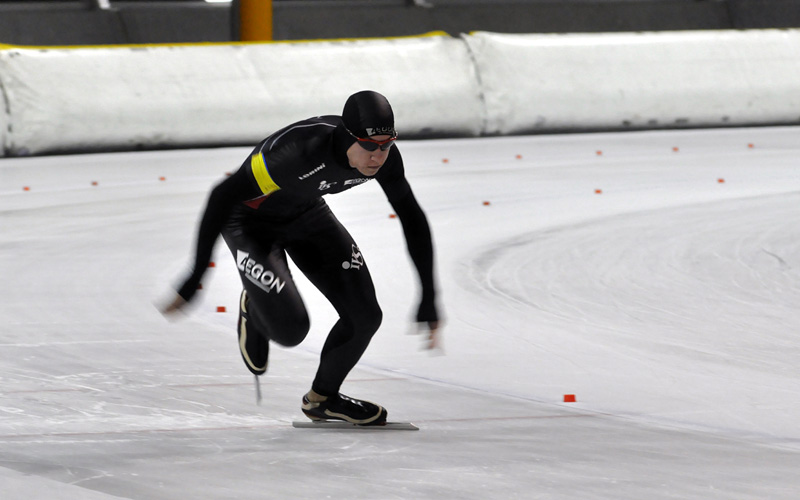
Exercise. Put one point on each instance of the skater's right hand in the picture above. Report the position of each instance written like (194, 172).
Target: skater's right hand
(433, 332)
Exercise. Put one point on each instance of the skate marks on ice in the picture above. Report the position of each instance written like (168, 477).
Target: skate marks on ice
(99, 420)
(662, 269)
(698, 303)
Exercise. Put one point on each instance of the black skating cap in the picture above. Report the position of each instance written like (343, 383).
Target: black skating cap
(368, 113)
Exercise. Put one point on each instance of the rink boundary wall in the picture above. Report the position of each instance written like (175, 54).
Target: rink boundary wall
(166, 96)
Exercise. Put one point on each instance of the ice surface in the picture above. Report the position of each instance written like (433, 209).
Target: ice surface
(667, 303)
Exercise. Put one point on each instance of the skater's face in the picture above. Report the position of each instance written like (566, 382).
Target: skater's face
(368, 162)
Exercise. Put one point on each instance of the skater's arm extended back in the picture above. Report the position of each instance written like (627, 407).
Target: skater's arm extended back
(221, 201)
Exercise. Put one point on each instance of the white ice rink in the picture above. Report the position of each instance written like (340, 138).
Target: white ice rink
(668, 303)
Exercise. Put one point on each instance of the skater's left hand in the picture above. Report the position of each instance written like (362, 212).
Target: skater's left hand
(430, 324)
(170, 310)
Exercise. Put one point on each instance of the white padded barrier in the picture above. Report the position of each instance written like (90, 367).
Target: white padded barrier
(84, 99)
(4, 118)
(4, 105)
(129, 97)
(535, 83)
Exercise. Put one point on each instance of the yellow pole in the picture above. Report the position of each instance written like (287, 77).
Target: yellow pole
(255, 17)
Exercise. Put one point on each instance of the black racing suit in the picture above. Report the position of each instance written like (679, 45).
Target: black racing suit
(273, 205)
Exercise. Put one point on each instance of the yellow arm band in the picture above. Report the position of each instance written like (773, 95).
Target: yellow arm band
(261, 174)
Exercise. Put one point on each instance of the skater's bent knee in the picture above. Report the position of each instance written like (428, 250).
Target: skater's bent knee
(369, 320)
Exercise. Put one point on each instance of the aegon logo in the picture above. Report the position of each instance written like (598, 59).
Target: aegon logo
(255, 272)
(380, 131)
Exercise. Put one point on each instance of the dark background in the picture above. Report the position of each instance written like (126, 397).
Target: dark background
(86, 22)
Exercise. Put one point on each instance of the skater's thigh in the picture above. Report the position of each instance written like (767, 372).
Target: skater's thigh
(275, 306)
(330, 258)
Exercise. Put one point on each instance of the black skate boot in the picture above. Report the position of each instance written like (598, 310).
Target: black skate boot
(253, 346)
(341, 407)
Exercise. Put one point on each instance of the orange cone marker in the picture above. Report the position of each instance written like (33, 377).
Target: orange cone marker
(569, 398)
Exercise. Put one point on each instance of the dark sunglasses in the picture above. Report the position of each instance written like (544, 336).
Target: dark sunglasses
(372, 144)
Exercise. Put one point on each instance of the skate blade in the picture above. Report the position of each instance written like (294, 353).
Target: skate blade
(336, 424)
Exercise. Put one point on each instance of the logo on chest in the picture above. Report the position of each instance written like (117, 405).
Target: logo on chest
(309, 174)
(324, 185)
(349, 182)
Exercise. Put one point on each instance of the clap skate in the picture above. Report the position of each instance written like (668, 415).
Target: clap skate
(341, 407)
